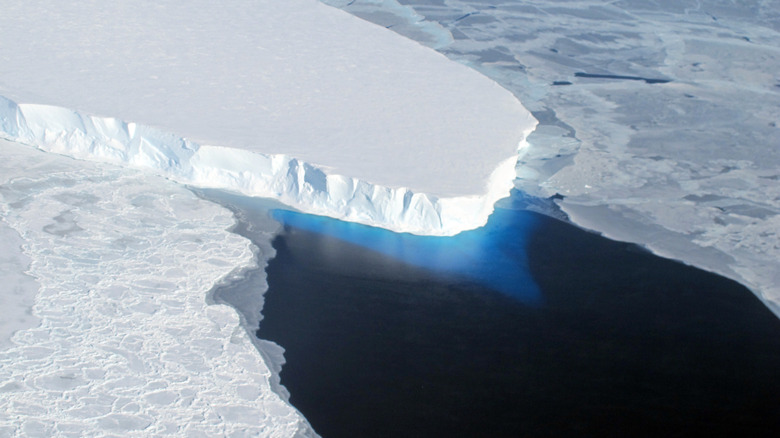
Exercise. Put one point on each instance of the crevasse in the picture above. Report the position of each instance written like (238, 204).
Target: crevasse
(300, 185)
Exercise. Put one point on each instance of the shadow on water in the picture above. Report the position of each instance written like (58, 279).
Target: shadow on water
(622, 77)
(623, 343)
(484, 255)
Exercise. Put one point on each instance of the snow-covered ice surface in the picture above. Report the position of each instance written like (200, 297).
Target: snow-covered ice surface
(18, 290)
(681, 154)
(295, 100)
(127, 344)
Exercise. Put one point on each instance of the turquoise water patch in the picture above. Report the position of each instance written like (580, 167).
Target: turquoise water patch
(493, 256)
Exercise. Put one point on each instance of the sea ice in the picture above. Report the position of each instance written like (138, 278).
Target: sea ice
(19, 289)
(127, 343)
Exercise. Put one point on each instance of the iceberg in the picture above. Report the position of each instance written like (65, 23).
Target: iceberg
(297, 100)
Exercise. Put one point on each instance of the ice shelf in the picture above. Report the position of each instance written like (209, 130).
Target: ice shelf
(295, 100)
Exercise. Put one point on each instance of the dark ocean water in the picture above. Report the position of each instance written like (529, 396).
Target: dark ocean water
(528, 327)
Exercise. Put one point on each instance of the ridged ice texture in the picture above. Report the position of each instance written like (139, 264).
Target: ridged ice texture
(298, 184)
(127, 344)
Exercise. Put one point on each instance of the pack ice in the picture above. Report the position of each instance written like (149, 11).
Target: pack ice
(119, 264)
(294, 100)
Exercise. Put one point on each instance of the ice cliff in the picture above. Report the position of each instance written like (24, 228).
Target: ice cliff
(296, 183)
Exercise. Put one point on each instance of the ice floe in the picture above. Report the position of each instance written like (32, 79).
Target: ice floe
(127, 344)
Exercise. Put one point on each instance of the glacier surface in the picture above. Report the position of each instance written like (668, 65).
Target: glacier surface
(295, 100)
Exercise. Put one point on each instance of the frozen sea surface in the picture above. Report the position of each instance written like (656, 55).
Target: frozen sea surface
(126, 344)
(659, 120)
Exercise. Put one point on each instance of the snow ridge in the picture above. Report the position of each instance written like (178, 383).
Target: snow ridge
(295, 183)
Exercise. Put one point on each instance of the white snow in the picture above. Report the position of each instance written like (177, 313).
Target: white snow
(382, 131)
(127, 344)
(19, 289)
(329, 113)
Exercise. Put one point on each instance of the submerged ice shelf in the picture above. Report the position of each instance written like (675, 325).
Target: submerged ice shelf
(295, 100)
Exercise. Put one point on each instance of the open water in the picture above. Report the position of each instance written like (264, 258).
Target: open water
(544, 330)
